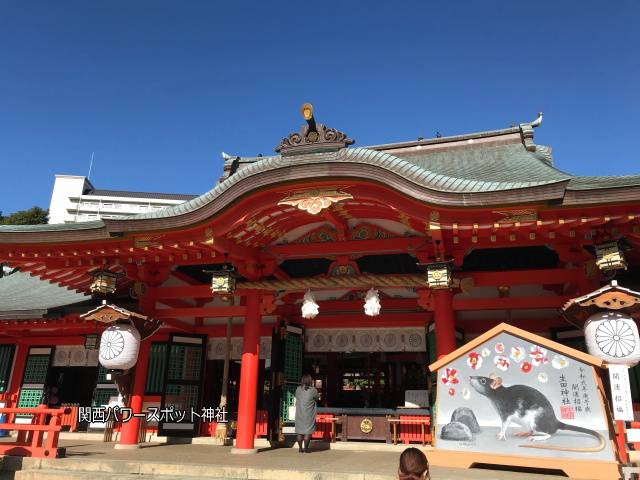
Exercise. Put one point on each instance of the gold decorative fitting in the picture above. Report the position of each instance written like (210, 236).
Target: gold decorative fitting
(314, 200)
(434, 216)
(512, 216)
(366, 426)
(404, 218)
(146, 241)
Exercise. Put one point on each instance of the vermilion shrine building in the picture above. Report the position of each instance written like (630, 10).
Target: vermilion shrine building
(337, 220)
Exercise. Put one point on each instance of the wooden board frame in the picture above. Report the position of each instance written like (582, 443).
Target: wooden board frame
(574, 468)
(586, 469)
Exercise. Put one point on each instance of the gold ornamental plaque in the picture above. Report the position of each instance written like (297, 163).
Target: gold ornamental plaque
(366, 426)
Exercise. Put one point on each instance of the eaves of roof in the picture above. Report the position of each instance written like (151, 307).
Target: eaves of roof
(21, 294)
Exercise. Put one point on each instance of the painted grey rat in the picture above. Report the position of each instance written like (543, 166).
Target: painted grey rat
(530, 409)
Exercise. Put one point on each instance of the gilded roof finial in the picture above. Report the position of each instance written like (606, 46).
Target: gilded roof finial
(314, 137)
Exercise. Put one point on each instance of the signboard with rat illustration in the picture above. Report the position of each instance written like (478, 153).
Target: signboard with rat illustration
(521, 395)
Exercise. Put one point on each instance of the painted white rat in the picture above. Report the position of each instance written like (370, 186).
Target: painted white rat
(530, 409)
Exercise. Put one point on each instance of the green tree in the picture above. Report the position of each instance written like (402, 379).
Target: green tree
(33, 216)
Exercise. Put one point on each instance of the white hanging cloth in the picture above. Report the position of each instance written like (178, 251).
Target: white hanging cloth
(372, 303)
(309, 306)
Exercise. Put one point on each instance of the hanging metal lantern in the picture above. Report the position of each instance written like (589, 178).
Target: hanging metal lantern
(223, 282)
(609, 256)
(119, 346)
(104, 281)
(439, 275)
(92, 340)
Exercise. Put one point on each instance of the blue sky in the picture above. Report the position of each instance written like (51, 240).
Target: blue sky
(157, 89)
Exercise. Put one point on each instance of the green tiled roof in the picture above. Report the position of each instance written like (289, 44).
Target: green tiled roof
(503, 167)
(589, 183)
(22, 292)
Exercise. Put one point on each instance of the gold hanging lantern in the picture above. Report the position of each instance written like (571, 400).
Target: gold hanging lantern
(439, 275)
(609, 256)
(104, 280)
(223, 282)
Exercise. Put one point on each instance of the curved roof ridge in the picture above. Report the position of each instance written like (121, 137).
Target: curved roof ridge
(416, 174)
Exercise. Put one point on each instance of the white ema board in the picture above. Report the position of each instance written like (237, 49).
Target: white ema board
(509, 396)
(416, 398)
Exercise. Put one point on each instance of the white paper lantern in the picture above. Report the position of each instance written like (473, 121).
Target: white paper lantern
(613, 337)
(119, 347)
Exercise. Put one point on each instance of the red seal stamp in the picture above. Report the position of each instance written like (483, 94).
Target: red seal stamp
(566, 413)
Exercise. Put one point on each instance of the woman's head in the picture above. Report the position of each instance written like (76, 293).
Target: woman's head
(413, 465)
(306, 381)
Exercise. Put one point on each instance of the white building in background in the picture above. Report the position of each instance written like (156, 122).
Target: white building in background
(75, 199)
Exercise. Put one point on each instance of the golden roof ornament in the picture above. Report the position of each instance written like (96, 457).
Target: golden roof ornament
(313, 137)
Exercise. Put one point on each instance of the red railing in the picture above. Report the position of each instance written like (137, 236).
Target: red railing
(31, 436)
(323, 426)
(412, 432)
(70, 419)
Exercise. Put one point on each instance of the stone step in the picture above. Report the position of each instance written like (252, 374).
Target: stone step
(248, 474)
(54, 469)
(62, 475)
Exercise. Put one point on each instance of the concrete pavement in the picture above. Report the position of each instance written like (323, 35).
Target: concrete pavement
(98, 460)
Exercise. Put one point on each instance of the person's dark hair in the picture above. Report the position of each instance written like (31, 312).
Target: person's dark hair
(306, 381)
(413, 465)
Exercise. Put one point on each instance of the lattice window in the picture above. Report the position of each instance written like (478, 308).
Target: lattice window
(156, 370)
(35, 370)
(29, 398)
(182, 397)
(185, 363)
(102, 395)
(288, 397)
(293, 358)
(102, 374)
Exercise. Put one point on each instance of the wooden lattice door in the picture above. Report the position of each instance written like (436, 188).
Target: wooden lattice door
(182, 385)
(287, 354)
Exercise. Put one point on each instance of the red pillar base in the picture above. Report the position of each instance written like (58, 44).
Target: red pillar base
(122, 446)
(244, 451)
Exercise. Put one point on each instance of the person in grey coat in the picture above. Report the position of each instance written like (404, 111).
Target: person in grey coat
(306, 397)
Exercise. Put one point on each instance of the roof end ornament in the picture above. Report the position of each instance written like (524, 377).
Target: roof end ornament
(314, 137)
(526, 132)
(538, 120)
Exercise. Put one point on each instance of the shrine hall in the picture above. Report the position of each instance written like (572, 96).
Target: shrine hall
(358, 265)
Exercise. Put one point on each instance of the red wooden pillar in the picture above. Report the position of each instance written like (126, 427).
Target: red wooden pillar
(130, 429)
(249, 374)
(445, 324)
